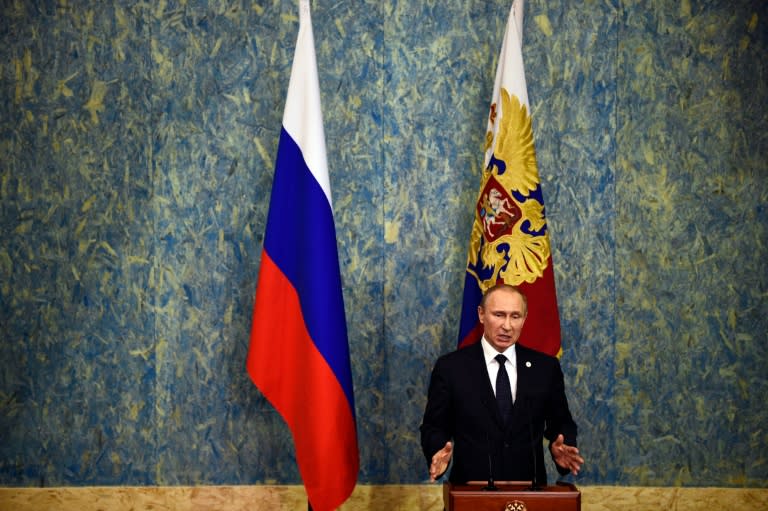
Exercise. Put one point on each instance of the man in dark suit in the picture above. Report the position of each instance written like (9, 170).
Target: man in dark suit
(470, 417)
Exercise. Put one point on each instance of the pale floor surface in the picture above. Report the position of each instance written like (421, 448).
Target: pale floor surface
(365, 497)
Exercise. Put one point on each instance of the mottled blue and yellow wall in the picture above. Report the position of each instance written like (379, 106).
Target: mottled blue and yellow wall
(137, 142)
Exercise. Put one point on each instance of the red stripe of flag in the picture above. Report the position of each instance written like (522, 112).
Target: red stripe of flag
(295, 377)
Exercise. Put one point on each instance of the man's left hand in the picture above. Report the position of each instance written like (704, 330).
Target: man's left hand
(566, 456)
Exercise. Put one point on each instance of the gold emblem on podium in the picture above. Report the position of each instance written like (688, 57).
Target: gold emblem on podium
(515, 505)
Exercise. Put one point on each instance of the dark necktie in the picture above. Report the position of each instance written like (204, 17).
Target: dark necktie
(503, 390)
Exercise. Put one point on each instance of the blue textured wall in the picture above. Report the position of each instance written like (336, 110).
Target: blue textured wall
(137, 143)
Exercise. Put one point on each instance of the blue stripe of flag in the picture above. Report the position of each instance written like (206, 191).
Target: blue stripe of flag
(301, 239)
(470, 300)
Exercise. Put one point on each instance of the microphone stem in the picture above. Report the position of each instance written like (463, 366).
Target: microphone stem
(535, 478)
(490, 486)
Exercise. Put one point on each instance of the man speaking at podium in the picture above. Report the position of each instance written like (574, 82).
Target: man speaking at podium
(489, 404)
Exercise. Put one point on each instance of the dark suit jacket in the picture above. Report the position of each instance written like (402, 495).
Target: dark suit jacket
(461, 407)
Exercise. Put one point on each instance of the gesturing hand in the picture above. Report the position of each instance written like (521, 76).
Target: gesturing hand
(440, 461)
(566, 456)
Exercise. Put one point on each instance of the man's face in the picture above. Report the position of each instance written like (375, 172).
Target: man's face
(502, 318)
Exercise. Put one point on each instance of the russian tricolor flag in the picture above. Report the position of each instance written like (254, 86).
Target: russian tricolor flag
(299, 355)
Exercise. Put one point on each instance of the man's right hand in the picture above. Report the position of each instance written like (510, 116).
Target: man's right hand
(440, 462)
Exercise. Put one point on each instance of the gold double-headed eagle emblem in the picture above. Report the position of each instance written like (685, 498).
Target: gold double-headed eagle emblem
(508, 234)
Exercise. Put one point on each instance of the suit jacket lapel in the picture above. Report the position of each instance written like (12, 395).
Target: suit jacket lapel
(481, 382)
(522, 381)
(525, 375)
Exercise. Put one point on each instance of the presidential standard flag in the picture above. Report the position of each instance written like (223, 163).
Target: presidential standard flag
(299, 356)
(509, 241)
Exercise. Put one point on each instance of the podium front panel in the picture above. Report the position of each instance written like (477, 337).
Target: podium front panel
(510, 496)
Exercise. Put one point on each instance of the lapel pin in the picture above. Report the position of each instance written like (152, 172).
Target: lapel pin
(527, 364)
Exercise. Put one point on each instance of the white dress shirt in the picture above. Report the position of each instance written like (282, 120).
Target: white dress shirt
(489, 352)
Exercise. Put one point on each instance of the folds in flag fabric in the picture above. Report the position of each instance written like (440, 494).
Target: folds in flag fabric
(299, 355)
(509, 241)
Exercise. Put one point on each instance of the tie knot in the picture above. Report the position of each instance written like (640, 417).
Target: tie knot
(501, 359)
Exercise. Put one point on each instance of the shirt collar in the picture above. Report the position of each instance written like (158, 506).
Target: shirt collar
(489, 353)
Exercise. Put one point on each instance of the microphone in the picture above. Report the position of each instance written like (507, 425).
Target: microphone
(535, 479)
(490, 486)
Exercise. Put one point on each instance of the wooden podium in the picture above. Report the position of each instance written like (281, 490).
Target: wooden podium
(510, 496)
